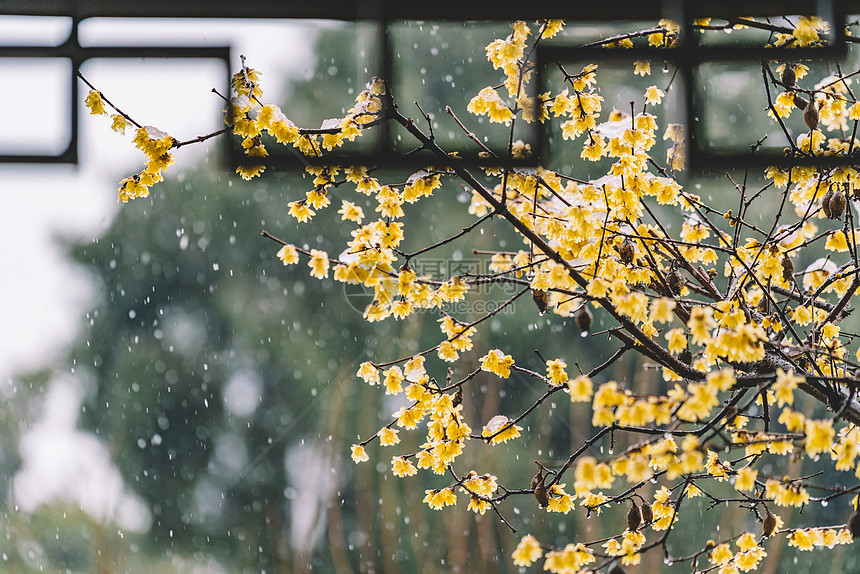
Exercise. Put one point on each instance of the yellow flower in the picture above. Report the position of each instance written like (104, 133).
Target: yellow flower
(300, 211)
(527, 551)
(783, 388)
(388, 437)
(359, 454)
(555, 372)
(654, 95)
(836, 242)
(819, 436)
(498, 363)
(661, 310)
(496, 424)
(319, 264)
(701, 323)
(402, 467)
(288, 255)
(677, 340)
(95, 103)
(745, 479)
(581, 388)
(642, 68)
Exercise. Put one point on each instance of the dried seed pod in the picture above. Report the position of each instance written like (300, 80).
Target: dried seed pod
(634, 517)
(788, 77)
(537, 479)
(686, 357)
(541, 299)
(675, 282)
(616, 569)
(583, 319)
(764, 305)
(810, 114)
(768, 524)
(627, 251)
(837, 205)
(825, 202)
(647, 514)
(787, 268)
(800, 102)
(541, 494)
(854, 524)
(458, 398)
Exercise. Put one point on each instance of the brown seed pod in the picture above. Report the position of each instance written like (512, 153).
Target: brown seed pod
(675, 282)
(800, 102)
(458, 398)
(768, 524)
(810, 114)
(583, 319)
(537, 479)
(541, 494)
(854, 524)
(634, 517)
(825, 202)
(788, 77)
(686, 357)
(541, 299)
(647, 514)
(616, 569)
(627, 251)
(787, 268)
(764, 305)
(837, 205)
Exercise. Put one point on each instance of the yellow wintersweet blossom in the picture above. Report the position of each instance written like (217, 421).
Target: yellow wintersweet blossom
(527, 552)
(388, 436)
(402, 467)
(319, 264)
(642, 68)
(437, 499)
(745, 479)
(368, 373)
(359, 454)
(494, 427)
(569, 560)
(701, 324)
(288, 254)
(555, 372)
(654, 95)
(581, 389)
(95, 103)
(498, 363)
(819, 436)
(783, 388)
(836, 242)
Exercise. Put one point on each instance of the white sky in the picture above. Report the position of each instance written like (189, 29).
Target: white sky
(44, 297)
